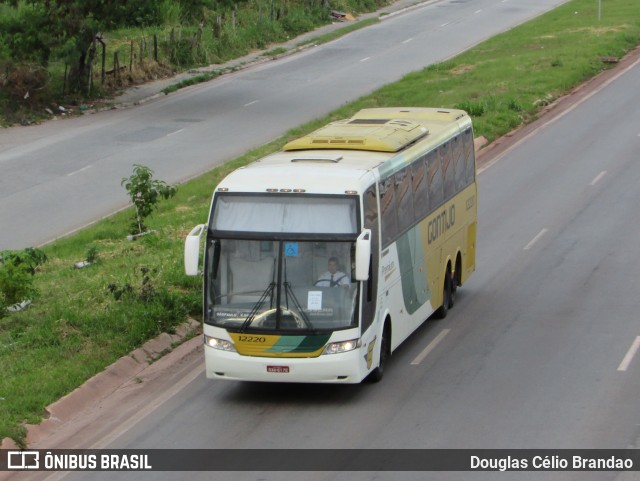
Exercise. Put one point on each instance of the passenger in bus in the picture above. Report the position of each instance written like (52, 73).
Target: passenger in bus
(333, 277)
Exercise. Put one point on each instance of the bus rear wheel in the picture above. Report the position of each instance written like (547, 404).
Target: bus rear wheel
(447, 300)
(453, 283)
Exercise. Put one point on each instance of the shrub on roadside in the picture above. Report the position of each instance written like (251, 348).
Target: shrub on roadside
(17, 271)
(145, 192)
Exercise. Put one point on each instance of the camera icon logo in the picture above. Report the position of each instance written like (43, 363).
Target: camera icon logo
(23, 460)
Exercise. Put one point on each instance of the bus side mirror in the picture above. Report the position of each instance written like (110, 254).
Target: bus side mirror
(363, 255)
(192, 250)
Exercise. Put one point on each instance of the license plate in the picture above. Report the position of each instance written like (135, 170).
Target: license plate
(277, 368)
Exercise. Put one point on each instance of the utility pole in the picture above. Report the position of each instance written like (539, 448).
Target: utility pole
(599, 10)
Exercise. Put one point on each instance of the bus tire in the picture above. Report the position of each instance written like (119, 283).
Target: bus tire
(442, 311)
(453, 289)
(385, 352)
(456, 280)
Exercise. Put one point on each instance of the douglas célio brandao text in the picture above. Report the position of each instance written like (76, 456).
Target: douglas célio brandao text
(550, 463)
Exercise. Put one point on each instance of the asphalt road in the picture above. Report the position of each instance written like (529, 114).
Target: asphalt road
(61, 176)
(537, 353)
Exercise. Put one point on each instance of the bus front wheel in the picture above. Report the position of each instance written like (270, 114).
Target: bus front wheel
(385, 352)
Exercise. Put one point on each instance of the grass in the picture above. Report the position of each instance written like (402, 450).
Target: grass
(197, 79)
(340, 33)
(76, 326)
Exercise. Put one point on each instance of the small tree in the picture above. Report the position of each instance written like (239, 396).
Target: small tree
(145, 192)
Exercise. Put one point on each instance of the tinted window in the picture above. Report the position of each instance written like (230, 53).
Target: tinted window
(420, 191)
(469, 160)
(388, 211)
(404, 194)
(434, 179)
(447, 170)
(458, 163)
(371, 209)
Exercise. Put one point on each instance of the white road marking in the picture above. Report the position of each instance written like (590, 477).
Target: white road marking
(598, 177)
(251, 103)
(407, 40)
(79, 170)
(477, 11)
(432, 345)
(174, 133)
(445, 24)
(535, 239)
(365, 59)
(630, 354)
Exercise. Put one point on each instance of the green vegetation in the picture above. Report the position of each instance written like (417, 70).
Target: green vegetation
(339, 33)
(17, 269)
(198, 79)
(145, 192)
(74, 52)
(85, 319)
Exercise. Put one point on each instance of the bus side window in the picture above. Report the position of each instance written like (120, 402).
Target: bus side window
(469, 157)
(388, 211)
(419, 186)
(434, 179)
(371, 222)
(447, 170)
(458, 163)
(371, 211)
(404, 194)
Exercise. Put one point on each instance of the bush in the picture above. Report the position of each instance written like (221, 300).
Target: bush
(16, 284)
(26, 85)
(17, 269)
(474, 109)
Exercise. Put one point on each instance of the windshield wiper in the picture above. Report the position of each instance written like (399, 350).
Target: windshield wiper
(289, 291)
(257, 306)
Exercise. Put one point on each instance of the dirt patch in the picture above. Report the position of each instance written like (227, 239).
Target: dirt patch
(600, 30)
(462, 69)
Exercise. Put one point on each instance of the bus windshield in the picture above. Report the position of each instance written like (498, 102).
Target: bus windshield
(303, 214)
(267, 285)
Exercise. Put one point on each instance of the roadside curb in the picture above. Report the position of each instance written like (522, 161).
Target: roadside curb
(105, 383)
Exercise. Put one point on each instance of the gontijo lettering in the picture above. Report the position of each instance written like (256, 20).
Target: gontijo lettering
(442, 222)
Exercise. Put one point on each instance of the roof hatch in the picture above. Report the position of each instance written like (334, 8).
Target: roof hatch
(383, 135)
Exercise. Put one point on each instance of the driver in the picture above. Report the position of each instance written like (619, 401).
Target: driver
(333, 277)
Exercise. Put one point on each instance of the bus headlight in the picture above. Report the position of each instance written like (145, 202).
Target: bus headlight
(220, 344)
(343, 346)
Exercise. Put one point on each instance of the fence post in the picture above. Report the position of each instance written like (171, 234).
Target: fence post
(116, 67)
(155, 47)
(172, 54)
(92, 53)
(104, 56)
(217, 27)
(599, 9)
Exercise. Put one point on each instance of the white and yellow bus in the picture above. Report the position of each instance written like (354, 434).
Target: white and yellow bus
(385, 201)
